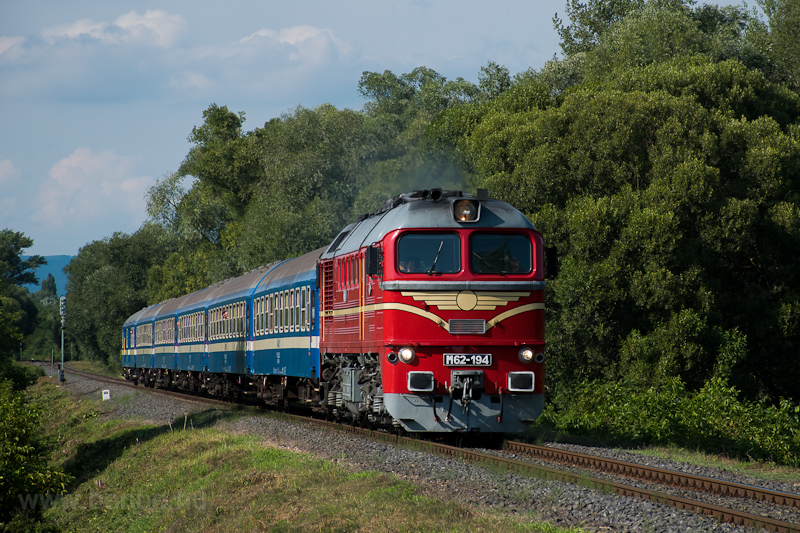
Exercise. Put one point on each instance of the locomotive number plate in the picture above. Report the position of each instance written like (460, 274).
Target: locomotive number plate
(467, 359)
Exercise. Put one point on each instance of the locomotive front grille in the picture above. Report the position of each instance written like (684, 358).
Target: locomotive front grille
(468, 326)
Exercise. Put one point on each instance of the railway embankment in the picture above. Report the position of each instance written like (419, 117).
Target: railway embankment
(144, 460)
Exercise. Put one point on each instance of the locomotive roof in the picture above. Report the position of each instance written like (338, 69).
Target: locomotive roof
(419, 209)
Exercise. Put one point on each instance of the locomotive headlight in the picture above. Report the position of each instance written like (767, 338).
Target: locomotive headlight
(525, 355)
(406, 354)
(466, 210)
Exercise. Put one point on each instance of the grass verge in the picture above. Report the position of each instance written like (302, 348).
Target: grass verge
(135, 477)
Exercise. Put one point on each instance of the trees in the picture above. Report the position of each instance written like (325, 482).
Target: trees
(223, 159)
(671, 193)
(784, 37)
(13, 270)
(106, 283)
(18, 312)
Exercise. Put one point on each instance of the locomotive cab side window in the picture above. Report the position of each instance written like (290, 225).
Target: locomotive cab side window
(500, 253)
(429, 253)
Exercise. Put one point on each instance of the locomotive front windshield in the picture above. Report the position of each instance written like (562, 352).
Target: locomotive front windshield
(500, 253)
(429, 253)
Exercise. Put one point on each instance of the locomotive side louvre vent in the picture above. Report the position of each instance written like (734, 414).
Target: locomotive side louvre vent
(467, 326)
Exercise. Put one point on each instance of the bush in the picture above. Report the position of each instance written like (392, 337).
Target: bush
(23, 466)
(712, 419)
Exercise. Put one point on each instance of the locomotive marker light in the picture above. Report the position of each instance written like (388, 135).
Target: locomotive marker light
(466, 210)
(525, 355)
(406, 354)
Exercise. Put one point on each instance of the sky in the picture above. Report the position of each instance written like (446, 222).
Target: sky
(97, 98)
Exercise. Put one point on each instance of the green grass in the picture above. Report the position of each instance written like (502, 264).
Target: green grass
(135, 477)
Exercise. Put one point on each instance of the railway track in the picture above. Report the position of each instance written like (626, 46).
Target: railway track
(656, 475)
(609, 466)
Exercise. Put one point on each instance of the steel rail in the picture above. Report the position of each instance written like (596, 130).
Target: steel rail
(660, 476)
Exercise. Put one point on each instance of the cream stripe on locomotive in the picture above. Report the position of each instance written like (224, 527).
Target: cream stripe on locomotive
(466, 300)
(427, 314)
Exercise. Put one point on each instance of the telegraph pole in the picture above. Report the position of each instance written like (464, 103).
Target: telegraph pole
(63, 320)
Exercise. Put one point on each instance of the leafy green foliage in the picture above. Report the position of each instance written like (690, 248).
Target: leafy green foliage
(713, 419)
(106, 283)
(23, 467)
(223, 159)
(13, 270)
(658, 187)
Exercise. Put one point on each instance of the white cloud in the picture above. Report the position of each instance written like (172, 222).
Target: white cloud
(10, 185)
(89, 188)
(192, 81)
(154, 28)
(8, 44)
(309, 43)
(9, 173)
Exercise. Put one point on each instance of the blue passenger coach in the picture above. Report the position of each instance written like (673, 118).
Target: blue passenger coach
(248, 335)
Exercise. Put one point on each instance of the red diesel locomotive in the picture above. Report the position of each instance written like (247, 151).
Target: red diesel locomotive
(433, 314)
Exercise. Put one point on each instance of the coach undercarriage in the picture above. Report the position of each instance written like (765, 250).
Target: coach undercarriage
(349, 389)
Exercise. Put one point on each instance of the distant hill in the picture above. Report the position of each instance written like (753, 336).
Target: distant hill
(55, 266)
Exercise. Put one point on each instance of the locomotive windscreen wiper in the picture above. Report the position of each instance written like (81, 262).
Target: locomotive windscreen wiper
(433, 266)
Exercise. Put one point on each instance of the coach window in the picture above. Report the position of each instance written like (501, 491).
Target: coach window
(286, 311)
(292, 317)
(269, 313)
(279, 312)
(303, 311)
(287, 304)
(265, 314)
(500, 253)
(296, 310)
(429, 253)
(297, 325)
(261, 316)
